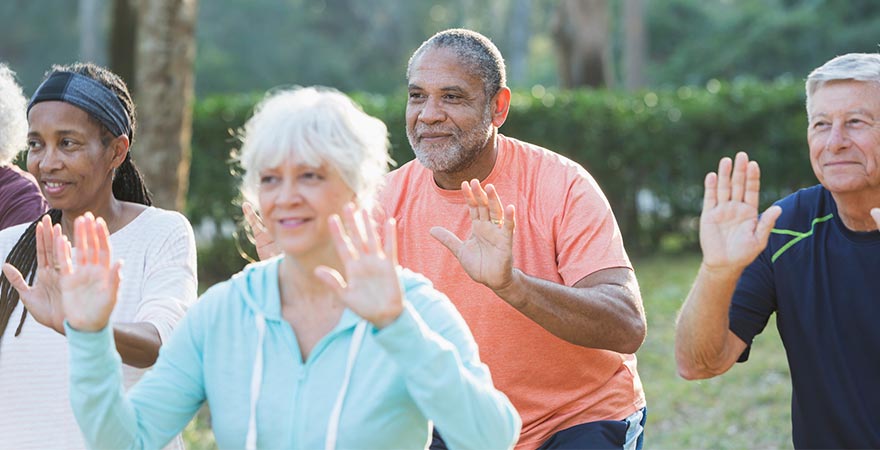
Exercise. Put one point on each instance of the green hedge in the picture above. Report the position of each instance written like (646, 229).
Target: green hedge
(652, 145)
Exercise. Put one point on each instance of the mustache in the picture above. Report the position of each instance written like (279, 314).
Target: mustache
(421, 129)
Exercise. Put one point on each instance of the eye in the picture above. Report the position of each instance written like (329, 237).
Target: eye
(268, 179)
(68, 143)
(821, 125)
(416, 96)
(855, 121)
(452, 98)
(311, 176)
(34, 145)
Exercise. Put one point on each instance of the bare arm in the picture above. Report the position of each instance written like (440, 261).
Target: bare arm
(603, 310)
(137, 343)
(731, 237)
(704, 345)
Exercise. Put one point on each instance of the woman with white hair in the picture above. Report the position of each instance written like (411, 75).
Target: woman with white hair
(330, 344)
(20, 198)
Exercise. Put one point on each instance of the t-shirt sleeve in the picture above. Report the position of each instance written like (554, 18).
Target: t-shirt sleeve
(169, 285)
(20, 202)
(587, 236)
(754, 300)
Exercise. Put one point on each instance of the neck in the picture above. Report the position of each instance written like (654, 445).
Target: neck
(480, 169)
(111, 212)
(854, 210)
(297, 277)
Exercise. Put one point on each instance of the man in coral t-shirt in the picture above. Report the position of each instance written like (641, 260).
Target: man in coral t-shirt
(545, 283)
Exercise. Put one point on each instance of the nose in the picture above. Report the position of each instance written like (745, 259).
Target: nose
(289, 194)
(50, 160)
(838, 138)
(432, 112)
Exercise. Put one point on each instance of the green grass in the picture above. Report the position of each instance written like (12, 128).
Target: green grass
(748, 407)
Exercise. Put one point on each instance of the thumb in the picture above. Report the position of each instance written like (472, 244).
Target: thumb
(766, 222)
(332, 278)
(447, 238)
(15, 279)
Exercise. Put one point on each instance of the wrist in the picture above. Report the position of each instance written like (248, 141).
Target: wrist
(509, 290)
(721, 272)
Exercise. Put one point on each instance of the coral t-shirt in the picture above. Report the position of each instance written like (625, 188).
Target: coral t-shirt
(565, 230)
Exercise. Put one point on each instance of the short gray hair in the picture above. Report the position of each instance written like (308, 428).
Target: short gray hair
(852, 66)
(318, 125)
(13, 119)
(476, 52)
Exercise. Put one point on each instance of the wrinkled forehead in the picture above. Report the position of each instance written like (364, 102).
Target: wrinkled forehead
(441, 66)
(843, 96)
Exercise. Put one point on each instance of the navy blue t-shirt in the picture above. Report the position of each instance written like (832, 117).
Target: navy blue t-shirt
(823, 282)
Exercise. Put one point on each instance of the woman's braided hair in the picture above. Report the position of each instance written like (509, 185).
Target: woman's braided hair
(128, 185)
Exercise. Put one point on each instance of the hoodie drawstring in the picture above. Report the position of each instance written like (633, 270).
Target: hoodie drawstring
(333, 423)
(256, 381)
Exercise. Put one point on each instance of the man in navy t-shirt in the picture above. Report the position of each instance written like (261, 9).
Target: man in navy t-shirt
(813, 258)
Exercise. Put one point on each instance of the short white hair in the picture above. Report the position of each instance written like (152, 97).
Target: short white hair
(13, 119)
(317, 125)
(851, 66)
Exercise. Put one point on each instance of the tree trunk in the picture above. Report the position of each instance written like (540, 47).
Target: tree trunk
(634, 43)
(122, 41)
(164, 97)
(581, 33)
(90, 21)
(518, 42)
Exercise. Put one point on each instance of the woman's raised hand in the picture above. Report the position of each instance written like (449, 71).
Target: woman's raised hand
(89, 287)
(43, 299)
(370, 286)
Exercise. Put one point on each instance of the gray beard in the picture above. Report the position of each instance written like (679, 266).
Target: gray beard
(456, 156)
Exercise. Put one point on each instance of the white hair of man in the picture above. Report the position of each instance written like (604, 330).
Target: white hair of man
(13, 121)
(318, 126)
(852, 66)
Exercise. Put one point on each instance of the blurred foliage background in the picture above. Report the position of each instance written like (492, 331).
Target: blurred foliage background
(684, 82)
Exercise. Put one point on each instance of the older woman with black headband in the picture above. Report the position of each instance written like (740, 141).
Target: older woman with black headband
(81, 126)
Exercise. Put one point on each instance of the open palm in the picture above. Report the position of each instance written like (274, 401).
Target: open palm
(370, 286)
(90, 288)
(487, 254)
(731, 234)
(43, 299)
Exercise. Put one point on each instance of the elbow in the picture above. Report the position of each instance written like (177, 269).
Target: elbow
(691, 368)
(635, 334)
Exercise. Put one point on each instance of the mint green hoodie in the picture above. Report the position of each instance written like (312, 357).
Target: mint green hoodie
(234, 350)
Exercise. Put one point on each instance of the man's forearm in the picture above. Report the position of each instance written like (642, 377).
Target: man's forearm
(602, 311)
(704, 344)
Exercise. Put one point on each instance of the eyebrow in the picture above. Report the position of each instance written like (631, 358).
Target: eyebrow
(453, 88)
(861, 111)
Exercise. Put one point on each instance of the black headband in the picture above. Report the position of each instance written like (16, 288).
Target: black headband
(88, 95)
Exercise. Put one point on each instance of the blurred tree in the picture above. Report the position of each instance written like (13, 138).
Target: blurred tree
(90, 27)
(519, 31)
(123, 32)
(164, 79)
(580, 31)
(634, 48)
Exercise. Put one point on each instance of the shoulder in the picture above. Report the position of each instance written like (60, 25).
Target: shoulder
(158, 217)
(402, 181)
(804, 206)
(9, 236)
(539, 164)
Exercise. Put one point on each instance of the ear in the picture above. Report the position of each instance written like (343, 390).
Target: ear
(500, 106)
(119, 147)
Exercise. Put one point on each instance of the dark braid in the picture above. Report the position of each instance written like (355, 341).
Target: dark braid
(128, 185)
(24, 257)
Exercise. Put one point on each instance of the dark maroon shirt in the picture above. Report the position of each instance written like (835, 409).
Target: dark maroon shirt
(20, 197)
